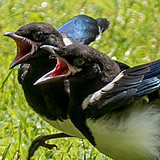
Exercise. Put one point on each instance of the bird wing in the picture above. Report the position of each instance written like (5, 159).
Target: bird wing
(122, 66)
(129, 85)
(154, 70)
(83, 29)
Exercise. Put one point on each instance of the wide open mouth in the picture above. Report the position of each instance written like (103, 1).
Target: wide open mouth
(25, 48)
(62, 70)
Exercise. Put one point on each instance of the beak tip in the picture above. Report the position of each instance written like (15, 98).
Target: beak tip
(35, 83)
(13, 64)
(10, 67)
(5, 34)
(38, 82)
(46, 47)
(8, 34)
(49, 48)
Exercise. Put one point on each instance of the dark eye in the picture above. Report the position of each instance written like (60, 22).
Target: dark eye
(79, 62)
(38, 36)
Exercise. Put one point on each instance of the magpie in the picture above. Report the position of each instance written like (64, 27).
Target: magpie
(117, 111)
(50, 101)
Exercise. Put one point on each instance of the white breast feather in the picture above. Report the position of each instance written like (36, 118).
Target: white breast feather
(135, 137)
(65, 126)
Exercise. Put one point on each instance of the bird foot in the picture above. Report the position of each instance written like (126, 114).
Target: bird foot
(40, 141)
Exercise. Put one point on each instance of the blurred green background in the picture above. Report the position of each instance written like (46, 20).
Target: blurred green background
(133, 38)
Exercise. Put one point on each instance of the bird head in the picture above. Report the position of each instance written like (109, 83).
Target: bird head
(79, 63)
(30, 37)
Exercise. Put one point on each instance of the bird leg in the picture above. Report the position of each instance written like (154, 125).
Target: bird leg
(40, 141)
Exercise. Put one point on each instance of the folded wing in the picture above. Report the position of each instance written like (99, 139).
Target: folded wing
(129, 85)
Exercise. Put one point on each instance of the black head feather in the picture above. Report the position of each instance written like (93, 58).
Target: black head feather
(91, 61)
(81, 64)
(41, 32)
(30, 37)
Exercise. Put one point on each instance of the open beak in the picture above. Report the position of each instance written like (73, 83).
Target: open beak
(62, 69)
(25, 48)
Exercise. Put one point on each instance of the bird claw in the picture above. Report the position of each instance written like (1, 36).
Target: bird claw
(40, 141)
(36, 143)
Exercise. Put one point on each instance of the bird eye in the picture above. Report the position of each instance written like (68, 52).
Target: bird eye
(79, 62)
(38, 36)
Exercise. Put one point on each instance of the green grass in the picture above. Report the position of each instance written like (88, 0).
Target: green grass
(133, 37)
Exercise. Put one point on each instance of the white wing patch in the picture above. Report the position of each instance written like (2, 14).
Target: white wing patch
(97, 95)
(67, 41)
(100, 33)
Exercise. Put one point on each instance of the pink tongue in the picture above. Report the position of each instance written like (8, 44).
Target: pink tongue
(23, 48)
(61, 68)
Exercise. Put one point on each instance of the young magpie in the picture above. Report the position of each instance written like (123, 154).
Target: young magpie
(117, 111)
(50, 101)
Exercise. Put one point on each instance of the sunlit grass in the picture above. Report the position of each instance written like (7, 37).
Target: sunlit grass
(133, 38)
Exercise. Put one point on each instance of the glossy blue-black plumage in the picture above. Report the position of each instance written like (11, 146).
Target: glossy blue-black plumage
(134, 84)
(154, 70)
(83, 29)
(147, 86)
